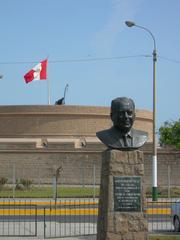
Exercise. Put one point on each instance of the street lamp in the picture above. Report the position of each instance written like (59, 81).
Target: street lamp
(154, 160)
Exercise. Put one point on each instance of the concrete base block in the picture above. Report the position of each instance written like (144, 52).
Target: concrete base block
(121, 203)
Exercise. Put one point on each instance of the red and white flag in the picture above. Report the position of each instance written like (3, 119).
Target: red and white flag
(39, 72)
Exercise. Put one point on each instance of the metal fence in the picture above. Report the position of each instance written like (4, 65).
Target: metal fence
(37, 177)
(70, 217)
(18, 219)
(73, 172)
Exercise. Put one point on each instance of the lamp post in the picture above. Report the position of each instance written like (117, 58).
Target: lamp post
(154, 160)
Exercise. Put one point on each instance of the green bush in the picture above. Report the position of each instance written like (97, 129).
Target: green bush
(22, 184)
(3, 181)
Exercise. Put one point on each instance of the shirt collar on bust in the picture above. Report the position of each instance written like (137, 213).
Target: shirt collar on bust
(129, 134)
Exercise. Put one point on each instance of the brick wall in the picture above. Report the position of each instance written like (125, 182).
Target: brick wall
(168, 168)
(80, 166)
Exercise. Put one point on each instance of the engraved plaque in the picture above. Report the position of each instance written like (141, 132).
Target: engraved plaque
(127, 194)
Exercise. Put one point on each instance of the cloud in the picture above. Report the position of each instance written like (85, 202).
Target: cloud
(121, 10)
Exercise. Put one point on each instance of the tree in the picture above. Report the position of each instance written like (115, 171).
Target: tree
(170, 133)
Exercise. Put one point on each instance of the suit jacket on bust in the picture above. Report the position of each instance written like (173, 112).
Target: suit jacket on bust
(113, 138)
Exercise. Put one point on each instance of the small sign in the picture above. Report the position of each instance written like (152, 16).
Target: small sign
(127, 194)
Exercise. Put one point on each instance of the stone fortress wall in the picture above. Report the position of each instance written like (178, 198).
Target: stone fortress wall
(35, 140)
(61, 121)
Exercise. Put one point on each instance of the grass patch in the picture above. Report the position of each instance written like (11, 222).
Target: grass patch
(163, 192)
(47, 192)
(164, 238)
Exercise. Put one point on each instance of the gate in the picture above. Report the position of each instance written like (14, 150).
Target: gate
(70, 217)
(18, 220)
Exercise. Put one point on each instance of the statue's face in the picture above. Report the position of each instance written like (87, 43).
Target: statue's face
(123, 116)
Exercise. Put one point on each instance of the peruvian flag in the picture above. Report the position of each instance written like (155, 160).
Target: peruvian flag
(39, 72)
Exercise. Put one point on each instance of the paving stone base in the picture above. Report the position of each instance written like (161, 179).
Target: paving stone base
(118, 225)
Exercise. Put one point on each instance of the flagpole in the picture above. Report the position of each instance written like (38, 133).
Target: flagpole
(48, 86)
(49, 97)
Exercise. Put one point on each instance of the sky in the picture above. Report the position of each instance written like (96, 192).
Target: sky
(90, 48)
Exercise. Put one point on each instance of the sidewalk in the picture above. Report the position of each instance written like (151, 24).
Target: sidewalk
(51, 231)
(41, 238)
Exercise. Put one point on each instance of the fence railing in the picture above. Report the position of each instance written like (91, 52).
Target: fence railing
(18, 219)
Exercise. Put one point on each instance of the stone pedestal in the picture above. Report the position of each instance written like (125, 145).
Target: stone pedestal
(122, 197)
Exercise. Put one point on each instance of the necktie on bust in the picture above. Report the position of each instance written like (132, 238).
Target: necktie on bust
(127, 140)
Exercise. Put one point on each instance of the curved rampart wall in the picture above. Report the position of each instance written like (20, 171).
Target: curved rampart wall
(61, 121)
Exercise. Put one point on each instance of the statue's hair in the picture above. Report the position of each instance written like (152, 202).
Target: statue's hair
(117, 102)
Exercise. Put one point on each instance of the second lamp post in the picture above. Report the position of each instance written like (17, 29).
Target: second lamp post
(154, 160)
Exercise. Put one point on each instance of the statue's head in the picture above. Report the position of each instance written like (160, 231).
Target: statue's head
(123, 113)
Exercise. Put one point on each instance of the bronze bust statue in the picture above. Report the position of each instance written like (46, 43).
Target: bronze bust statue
(122, 136)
